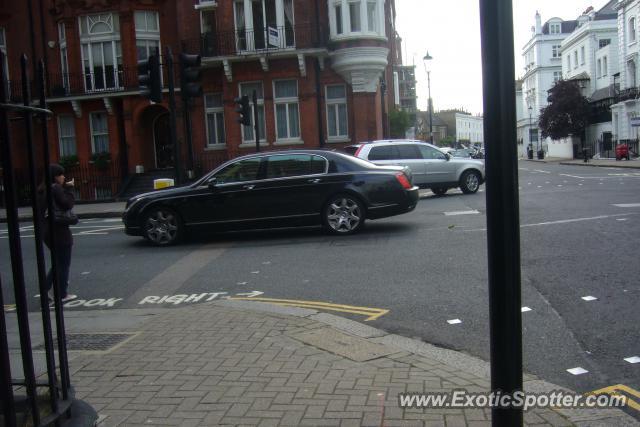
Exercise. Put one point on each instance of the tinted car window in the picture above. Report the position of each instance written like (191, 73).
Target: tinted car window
(294, 165)
(385, 152)
(431, 153)
(240, 171)
(408, 152)
(351, 149)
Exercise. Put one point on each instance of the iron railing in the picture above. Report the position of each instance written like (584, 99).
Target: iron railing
(628, 93)
(247, 41)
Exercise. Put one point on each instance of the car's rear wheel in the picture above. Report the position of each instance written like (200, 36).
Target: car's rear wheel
(470, 182)
(162, 227)
(439, 191)
(343, 214)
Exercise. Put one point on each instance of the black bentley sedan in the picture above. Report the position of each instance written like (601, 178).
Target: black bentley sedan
(275, 189)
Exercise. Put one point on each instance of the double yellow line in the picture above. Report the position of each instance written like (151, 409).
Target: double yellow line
(371, 313)
(616, 389)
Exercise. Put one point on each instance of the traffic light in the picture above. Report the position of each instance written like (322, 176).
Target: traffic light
(244, 110)
(190, 75)
(149, 78)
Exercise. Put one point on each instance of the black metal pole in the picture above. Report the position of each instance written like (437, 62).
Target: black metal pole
(319, 101)
(43, 40)
(187, 130)
(255, 120)
(172, 113)
(430, 108)
(44, 303)
(503, 216)
(6, 388)
(37, 228)
(15, 249)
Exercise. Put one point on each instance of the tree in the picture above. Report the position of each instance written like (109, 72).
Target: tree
(399, 122)
(567, 112)
(447, 141)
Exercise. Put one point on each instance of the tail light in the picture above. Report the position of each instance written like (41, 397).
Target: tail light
(402, 179)
(358, 151)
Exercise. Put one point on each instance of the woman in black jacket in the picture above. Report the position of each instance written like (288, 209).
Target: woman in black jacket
(64, 200)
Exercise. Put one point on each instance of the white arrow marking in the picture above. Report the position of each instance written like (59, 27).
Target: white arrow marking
(250, 294)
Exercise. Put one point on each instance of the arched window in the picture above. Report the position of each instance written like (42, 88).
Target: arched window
(356, 17)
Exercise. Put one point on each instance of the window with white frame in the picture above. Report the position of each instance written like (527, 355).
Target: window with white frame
(555, 51)
(632, 30)
(285, 94)
(582, 55)
(604, 66)
(99, 133)
(599, 69)
(554, 28)
(247, 89)
(64, 61)
(147, 33)
(575, 59)
(336, 100)
(603, 42)
(350, 17)
(5, 63)
(67, 135)
(557, 75)
(101, 51)
(264, 24)
(214, 110)
(568, 63)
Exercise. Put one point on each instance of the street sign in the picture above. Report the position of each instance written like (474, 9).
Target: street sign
(635, 121)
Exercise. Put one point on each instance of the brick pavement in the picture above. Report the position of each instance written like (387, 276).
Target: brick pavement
(239, 364)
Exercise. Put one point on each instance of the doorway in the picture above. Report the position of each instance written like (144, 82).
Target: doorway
(163, 146)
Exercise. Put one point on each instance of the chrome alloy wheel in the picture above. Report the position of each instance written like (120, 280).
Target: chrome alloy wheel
(470, 182)
(161, 227)
(344, 215)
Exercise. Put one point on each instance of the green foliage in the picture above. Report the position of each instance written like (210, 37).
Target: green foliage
(447, 141)
(399, 122)
(567, 112)
(101, 160)
(68, 161)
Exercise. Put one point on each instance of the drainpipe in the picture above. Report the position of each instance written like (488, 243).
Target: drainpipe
(317, 73)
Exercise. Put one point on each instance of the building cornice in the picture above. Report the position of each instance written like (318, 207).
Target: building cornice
(360, 66)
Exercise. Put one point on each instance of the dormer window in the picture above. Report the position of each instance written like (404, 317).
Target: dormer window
(555, 28)
(356, 17)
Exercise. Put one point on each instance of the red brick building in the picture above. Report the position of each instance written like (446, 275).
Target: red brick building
(321, 69)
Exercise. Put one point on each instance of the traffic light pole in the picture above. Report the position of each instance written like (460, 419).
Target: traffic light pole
(172, 113)
(503, 214)
(255, 120)
(187, 131)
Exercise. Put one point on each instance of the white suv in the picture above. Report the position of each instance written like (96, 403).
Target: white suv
(431, 168)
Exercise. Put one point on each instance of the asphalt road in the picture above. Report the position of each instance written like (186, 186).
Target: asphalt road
(579, 234)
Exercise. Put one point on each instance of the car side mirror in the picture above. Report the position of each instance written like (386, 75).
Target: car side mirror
(447, 156)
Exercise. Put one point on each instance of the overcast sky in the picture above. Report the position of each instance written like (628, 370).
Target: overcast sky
(450, 31)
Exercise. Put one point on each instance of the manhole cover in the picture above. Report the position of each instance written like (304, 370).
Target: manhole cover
(354, 348)
(92, 342)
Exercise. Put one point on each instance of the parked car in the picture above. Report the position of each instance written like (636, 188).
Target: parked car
(431, 168)
(622, 152)
(275, 189)
(467, 153)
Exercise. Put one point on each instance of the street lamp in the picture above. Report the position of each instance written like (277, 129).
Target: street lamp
(426, 58)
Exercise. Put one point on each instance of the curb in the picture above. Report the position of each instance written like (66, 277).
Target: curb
(455, 359)
(621, 165)
(84, 215)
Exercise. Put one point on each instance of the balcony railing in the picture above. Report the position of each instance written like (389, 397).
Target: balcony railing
(271, 39)
(75, 84)
(628, 93)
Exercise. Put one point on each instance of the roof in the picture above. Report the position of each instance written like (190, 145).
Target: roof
(582, 76)
(604, 93)
(565, 28)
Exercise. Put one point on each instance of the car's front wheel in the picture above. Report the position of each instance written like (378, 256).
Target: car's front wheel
(162, 226)
(470, 182)
(343, 214)
(439, 191)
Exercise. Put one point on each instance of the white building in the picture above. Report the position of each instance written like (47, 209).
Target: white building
(590, 56)
(469, 128)
(543, 67)
(627, 102)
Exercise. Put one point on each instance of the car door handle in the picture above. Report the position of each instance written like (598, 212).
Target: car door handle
(314, 180)
(248, 186)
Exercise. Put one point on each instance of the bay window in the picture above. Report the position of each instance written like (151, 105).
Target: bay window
(356, 17)
(101, 51)
(286, 106)
(147, 33)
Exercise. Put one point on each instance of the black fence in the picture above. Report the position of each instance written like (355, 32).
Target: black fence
(605, 148)
(31, 394)
(93, 182)
(271, 39)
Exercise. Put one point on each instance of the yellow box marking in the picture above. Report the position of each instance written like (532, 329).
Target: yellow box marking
(616, 389)
(371, 313)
